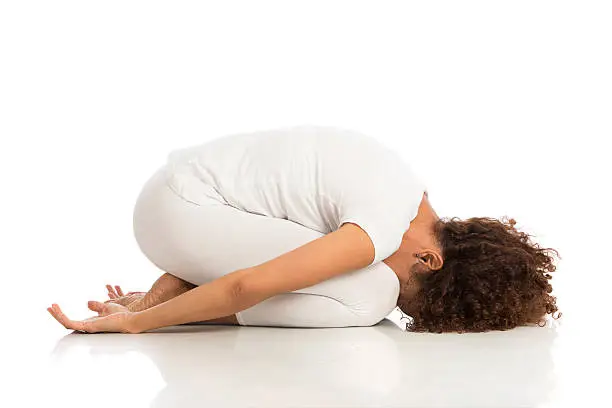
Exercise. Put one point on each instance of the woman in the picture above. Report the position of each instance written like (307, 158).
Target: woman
(313, 226)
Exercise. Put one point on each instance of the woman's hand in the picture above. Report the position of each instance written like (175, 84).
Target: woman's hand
(112, 318)
(134, 301)
(116, 296)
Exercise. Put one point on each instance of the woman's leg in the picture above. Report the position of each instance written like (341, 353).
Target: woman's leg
(156, 200)
(164, 288)
(201, 239)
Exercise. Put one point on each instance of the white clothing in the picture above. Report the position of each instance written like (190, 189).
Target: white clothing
(317, 176)
(240, 201)
(202, 242)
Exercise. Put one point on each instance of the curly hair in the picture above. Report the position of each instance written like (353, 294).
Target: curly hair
(493, 278)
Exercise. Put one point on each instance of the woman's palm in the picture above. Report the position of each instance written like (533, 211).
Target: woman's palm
(111, 318)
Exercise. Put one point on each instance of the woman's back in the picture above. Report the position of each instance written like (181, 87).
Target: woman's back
(316, 176)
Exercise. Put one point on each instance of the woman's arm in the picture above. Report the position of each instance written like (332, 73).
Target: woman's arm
(210, 301)
(163, 289)
(346, 249)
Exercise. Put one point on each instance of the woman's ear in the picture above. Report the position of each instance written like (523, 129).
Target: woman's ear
(431, 259)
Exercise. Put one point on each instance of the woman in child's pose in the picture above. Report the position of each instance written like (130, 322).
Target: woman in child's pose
(313, 226)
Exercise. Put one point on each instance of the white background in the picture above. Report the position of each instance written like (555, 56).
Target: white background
(503, 107)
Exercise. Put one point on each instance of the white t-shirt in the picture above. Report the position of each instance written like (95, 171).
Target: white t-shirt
(317, 176)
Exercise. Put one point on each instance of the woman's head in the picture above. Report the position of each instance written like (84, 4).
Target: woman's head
(492, 278)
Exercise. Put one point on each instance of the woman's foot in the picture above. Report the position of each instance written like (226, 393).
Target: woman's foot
(116, 296)
(165, 288)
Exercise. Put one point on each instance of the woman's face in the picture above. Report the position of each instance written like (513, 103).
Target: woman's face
(409, 288)
(418, 255)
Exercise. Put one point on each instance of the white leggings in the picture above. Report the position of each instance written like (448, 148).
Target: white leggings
(201, 242)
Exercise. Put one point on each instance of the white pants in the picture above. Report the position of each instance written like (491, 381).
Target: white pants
(199, 243)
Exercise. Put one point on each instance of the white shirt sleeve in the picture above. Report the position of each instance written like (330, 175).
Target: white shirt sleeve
(382, 200)
(385, 218)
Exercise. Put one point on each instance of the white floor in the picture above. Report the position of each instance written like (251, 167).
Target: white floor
(379, 366)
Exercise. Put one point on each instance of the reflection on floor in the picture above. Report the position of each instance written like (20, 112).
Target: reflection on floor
(382, 366)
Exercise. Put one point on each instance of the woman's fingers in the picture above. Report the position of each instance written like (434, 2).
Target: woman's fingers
(104, 309)
(112, 319)
(117, 301)
(115, 292)
(101, 308)
(57, 313)
(89, 325)
(96, 306)
(111, 292)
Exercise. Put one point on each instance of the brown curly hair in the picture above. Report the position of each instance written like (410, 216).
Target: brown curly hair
(493, 278)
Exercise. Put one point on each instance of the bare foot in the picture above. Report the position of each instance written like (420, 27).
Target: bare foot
(116, 296)
(165, 288)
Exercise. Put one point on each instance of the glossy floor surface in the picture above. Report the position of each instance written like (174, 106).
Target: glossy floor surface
(378, 366)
